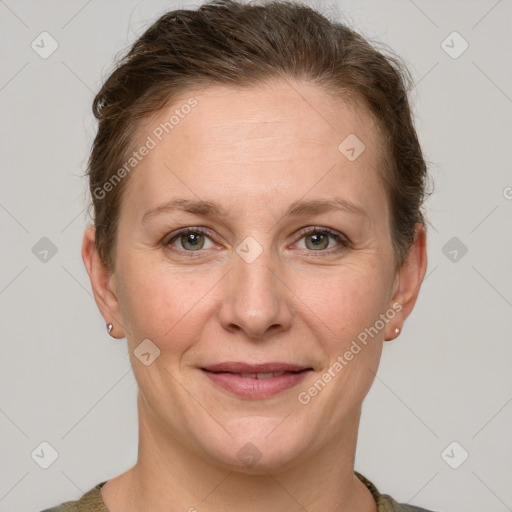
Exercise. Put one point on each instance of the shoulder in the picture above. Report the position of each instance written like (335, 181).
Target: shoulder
(91, 501)
(386, 503)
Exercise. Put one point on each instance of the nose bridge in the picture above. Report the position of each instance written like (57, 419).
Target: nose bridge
(254, 299)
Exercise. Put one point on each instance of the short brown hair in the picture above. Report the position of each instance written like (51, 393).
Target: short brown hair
(233, 44)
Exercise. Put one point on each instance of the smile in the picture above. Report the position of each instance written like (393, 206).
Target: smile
(256, 385)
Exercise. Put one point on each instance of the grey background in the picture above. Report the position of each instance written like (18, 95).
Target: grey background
(446, 378)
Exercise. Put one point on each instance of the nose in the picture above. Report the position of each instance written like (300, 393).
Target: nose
(255, 300)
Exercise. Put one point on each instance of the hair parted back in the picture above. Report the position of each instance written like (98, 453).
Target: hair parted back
(228, 43)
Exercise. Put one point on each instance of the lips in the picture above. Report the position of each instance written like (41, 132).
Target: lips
(262, 368)
(262, 375)
(256, 380)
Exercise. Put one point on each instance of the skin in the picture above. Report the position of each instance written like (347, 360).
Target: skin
(254, 152)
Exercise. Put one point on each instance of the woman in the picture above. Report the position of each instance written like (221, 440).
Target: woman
(257, 185)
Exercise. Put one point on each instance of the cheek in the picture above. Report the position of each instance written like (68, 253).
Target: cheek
(165, 305)
(343, 301)
(343, 307)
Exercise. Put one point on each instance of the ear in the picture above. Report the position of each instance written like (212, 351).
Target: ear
(103, 283)
(408, 282)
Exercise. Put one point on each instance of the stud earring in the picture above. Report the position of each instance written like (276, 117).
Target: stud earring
(397, 331)
(109, 328)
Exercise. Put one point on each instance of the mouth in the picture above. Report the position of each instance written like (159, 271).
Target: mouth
(259, 375)
(256, 380)
(246, 368)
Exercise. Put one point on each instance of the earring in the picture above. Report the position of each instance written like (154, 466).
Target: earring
(397, 331)
(109, 328)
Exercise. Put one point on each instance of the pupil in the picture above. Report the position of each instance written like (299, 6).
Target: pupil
(318, 240)
(193, 238)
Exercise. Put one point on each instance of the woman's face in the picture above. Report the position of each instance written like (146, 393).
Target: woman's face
(261, 181)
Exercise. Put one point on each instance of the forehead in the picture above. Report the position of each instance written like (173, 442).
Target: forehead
(283, 137)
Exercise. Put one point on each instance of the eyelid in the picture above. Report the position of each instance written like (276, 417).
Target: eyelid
(183, 231)
(175, 235)
(339, 237)
(342, 240)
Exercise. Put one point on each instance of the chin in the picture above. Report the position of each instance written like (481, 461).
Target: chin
(259, 445)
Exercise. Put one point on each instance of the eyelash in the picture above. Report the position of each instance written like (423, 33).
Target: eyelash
(343, 242)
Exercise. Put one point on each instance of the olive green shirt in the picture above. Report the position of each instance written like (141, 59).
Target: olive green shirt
(92, 501)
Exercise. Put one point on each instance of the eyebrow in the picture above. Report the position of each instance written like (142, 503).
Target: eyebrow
(213, 209)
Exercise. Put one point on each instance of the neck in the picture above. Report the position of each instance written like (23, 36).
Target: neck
(169, 477)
